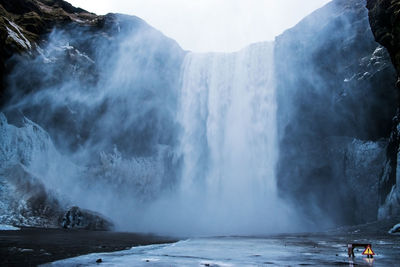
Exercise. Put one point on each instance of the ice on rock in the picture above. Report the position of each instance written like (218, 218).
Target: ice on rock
(395, 229)
(5, 227)
(18, 36)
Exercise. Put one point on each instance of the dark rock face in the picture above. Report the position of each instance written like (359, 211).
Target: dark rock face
(76, 218)
(385, 25)
(336, 101)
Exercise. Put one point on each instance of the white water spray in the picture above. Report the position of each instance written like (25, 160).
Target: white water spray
(217, 178)
(229, 143)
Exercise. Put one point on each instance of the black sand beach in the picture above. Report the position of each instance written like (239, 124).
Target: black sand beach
(34, 246)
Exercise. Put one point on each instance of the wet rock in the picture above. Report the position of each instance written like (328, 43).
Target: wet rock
(385, 25)
(336, 100)
(383, 17)
(99, 260)
(76, 218)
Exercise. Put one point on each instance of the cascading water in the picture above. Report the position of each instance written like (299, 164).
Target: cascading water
(229, 142)
(155, 144)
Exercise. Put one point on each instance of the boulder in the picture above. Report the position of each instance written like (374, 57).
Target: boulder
(77, 218)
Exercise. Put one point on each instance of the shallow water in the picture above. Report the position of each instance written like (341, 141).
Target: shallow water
(282, 250)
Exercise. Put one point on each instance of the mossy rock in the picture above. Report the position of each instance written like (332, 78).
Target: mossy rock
(20, 6)
(32, 22)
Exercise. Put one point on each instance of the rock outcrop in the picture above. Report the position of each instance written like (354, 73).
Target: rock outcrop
(385, 24)
(24, 200)
(24, 23)
(76, 218)
(336, 101)
(27, 200)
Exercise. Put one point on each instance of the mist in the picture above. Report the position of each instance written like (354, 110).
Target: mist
(155, 138)
(119, 119)
(335, 103)
(109, 110)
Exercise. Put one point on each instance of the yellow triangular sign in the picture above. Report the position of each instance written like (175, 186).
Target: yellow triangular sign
(368, 251)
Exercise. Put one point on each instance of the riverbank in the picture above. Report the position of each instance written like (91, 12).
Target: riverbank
(302, 249)
(34, 246)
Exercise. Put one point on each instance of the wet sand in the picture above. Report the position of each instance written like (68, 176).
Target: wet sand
(34, 246)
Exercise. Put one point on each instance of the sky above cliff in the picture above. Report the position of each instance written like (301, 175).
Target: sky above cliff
(211, 25)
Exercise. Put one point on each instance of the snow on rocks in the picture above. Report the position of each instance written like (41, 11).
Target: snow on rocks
(5, 227)
(17, 35)
(395, 229)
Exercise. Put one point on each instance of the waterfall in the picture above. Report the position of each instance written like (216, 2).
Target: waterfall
(229, 138)
(163, 146)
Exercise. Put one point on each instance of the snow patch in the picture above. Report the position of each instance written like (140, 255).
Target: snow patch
(5, 227)
(395, 229)
(18, 36)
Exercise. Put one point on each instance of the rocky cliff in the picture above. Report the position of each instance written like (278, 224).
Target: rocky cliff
(24, 23)
(385, 25)
(25, 200)
(87, 81)
(90, 106)
(336, 101)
